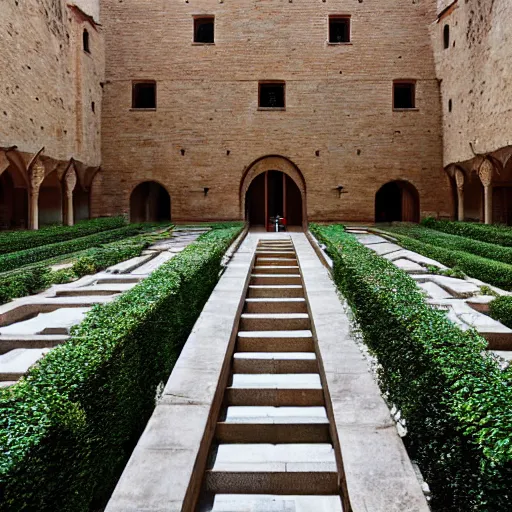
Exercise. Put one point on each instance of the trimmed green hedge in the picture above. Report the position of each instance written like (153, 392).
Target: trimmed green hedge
(13, 241)
(490, 271)
(18, 259)
(493, 234)
(455, 399)
(501, 310)
(30, 281)
(68, 428)
(455, 242)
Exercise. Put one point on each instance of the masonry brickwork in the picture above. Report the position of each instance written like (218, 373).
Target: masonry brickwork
(339, 127)
(475, 73)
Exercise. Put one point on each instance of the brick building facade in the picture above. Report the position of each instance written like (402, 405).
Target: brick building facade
(195, 110)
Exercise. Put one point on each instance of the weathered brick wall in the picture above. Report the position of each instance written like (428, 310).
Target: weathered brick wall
(338, 98)
(475, 73)
(48, 82)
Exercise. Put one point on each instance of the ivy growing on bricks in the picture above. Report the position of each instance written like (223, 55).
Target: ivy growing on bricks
(453, 394)
(68, 427)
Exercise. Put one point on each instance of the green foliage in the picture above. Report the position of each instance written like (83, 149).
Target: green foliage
(26, 257)
(455, 398)
(13, 241)
(454, 242)
(490, 271)
(448, 272)
(501, 310)
(68, 428)
(495, 234)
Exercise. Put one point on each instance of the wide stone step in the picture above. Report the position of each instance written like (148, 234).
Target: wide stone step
(273, 269)
(276, 305)
(30, 341)
(274, 362)
(273, 433)
(275, 279)
(87, 291)
(275, 291)
(277, 390)
(14, 364)
(274, 253)
(274, 503)
(274, 321)
(275, 341)
(274, 469)
(276, 262)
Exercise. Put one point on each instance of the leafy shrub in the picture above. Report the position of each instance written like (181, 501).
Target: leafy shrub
(501, 310)
(453, 395)
(17, 259)
(455, 242)
(13, 241)
(490, 271)
(499, 235)
(68, 427)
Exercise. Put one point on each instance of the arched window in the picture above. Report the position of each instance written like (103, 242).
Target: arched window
(450, 105)
(85, 37)
(446, 36)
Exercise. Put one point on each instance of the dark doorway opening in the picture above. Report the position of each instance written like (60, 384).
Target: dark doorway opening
(270, 194)
(13, 203)
(150, 202)
(397, 201)
(502, 205)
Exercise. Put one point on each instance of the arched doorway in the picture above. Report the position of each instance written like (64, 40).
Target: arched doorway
(150, 202)
(50, 200)
(273, 185)
(270, 194)
(397, 201)
(13, 202)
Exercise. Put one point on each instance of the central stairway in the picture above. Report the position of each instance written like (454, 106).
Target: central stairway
(272, 449)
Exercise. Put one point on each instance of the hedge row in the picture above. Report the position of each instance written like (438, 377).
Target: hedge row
(68, 428)
(453, 395)
(34, 280)
(455, 242)
(490, 271)
(13, 241)
(501, 310)
(18, 259)
(500, 235)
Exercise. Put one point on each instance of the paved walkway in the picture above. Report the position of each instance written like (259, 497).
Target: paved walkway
(465, 303)
(271, 406)
(31, 326)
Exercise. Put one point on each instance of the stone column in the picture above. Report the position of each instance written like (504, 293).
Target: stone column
(70, 184)
(459, 179)
(36, 178)
(485, 174)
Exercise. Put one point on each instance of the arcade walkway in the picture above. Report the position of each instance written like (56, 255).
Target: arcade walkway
(271, 406)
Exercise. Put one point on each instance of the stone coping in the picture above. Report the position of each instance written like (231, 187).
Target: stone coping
(374, 465)
(166, 469)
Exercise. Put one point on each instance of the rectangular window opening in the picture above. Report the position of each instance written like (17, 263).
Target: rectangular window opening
(272, 95)
(144, 95)
(404, 95)
(204, 29)
(339, 29)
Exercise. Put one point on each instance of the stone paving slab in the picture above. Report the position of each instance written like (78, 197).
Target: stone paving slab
(369, 239)
(408, 266)
(128, 266)
(434, 291)
(277, 381)
(273, 415)
(15, 363)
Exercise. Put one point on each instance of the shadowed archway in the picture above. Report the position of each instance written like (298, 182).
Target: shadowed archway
(397, 201)
(150, 202)
(13, 201)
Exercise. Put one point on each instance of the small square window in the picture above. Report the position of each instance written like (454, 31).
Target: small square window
(271, 95)
(144, 95)
(339, 29)
(404, 95)
(204, 30)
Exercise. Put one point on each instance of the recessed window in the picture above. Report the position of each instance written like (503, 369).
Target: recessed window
(272, 95)
(450, 105)
(404, 95)
(85, 41)
(144, 95)
(93, 106)
(204, 29)
(446, 37)
(339, 29)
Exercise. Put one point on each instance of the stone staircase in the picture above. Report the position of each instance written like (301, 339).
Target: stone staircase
(272, 449)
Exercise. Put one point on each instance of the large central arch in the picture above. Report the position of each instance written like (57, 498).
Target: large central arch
(268, 164)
